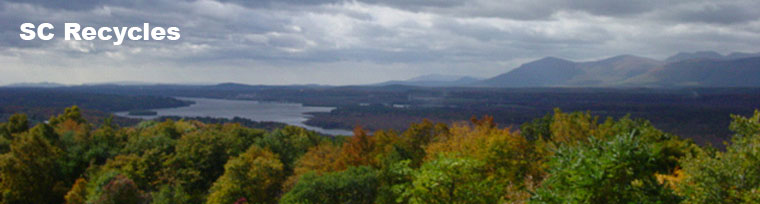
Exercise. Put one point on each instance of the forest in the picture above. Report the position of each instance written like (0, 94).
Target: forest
(562, 157)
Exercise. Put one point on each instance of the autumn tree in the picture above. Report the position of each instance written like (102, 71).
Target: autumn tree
(121, 190)
(30, 172)
(572, 128)
(509, 159)
(358, 150)
(78, 192)
(255, 176)
(319, 159)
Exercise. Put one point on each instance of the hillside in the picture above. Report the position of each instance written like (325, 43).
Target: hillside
(704, 69)
(549, 71)
(703, 72)
(552, 71)
(613, 70)
(434, 80)
(681, 56)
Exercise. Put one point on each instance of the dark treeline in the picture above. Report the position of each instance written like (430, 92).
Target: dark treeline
(559, 158)
(62, 98)
(701, 114)
(266, 125)
(41, 103)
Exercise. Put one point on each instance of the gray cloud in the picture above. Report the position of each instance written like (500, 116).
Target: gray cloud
(348, 42)
(728, 12)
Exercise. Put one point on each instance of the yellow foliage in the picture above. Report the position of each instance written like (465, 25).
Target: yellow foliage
(671, 180)
(570, 128)
(509, 157)
(254, 176)
(321, 159)
(183, 126)
(78, 192)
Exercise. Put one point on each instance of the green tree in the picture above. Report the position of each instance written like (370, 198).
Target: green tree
(289, 143)
(451, 180)
(84, 147)
(537, 128)
(17, 123)
(171, 194)
(200, 155)
(621, 170)
(732, 176)
(104, 142)
(354, 185)
(146, 150)
(71, 113)
(136, 168)
(417, 136)
(255, 176)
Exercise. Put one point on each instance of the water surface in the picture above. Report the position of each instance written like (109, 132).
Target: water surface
(288, 113)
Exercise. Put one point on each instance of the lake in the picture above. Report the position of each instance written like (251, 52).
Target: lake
(288, 113)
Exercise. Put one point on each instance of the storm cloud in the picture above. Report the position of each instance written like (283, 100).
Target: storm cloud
(357, 42)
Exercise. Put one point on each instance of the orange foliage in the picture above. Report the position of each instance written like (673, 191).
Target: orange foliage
(321, 159)
(357, 151)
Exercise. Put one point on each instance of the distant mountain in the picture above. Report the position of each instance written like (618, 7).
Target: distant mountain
(551, 71)
(681, 56)
(703, 68)
(434, 80)
(121, 83)
(36, 85)
(436, 77)
(613, 70)
(742, 72)
(739, 55)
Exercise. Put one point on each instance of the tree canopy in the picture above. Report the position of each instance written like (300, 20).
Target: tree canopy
(559, 158)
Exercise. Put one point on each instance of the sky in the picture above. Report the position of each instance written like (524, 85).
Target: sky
(337, 42)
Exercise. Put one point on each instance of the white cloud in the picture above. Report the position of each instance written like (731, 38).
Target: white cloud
(347, 42)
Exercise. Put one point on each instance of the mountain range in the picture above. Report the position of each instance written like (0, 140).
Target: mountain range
(35, 85)
(695, 69)
(434, 80)
(685, 69)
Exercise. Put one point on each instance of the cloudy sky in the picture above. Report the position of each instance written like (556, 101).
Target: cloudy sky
(356, 42)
